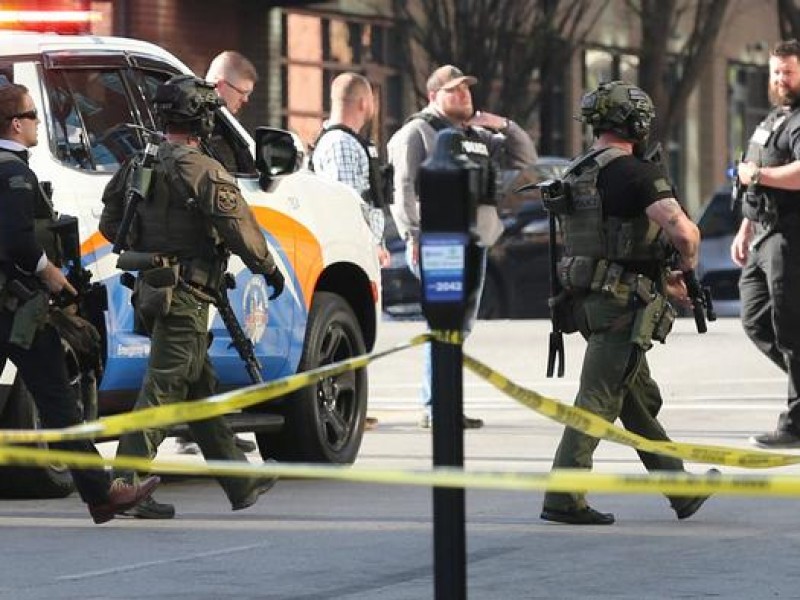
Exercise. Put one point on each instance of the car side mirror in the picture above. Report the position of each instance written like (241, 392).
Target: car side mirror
(278, 152)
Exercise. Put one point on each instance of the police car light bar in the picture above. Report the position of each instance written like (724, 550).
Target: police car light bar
(11, 17)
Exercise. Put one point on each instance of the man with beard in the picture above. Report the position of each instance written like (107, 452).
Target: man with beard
(767, 244)
(449, 105)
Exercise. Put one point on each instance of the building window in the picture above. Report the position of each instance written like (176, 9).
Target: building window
(316, 49)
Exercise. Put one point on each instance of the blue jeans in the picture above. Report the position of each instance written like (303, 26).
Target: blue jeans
(426, 395)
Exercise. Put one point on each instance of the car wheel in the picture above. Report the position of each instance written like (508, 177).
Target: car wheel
(324, 422)
(54, 481)
(492, 303)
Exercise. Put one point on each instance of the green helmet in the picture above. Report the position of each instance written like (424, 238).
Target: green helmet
(619, 107)
(188, 99)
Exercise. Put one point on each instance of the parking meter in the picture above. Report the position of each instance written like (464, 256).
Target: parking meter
(450, 186)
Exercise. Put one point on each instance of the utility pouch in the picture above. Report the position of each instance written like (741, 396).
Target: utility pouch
(30, 315)
(753, 205)
(161, 277)
(581, 273)
(152, 293)
(653, 321)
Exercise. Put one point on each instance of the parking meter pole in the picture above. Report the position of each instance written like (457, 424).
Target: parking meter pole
(449, 530)
(448, 189)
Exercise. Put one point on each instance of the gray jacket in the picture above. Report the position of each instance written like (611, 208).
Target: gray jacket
(410, 146)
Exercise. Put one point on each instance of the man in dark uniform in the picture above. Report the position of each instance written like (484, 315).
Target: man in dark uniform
(192, 216)
(767, 245)
(614, 270)
(26, 338)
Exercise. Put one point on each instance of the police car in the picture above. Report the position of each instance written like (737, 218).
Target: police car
(92, 94)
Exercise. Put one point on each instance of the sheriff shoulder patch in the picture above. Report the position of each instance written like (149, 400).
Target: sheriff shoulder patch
(227, 199)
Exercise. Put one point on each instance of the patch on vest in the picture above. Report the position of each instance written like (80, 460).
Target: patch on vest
(662, 185)
(227, 199)
(19, 182)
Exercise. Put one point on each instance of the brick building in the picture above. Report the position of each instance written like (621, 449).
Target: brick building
(299, 46)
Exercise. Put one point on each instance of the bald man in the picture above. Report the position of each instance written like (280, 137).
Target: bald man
(342, 154)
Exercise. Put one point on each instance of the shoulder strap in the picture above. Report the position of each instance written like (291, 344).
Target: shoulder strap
(435, 121)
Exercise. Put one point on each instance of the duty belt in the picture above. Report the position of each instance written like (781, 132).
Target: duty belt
(586, 274)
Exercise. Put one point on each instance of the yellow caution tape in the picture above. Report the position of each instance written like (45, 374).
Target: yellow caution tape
(595, 426)
(196, 410)
(563, 480)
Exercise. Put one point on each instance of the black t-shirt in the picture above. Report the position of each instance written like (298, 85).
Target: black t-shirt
(628, 185)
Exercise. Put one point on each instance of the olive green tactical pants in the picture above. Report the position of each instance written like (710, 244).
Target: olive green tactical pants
(179, 369)
(615, 383)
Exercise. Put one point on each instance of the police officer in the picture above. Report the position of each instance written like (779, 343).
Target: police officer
(491, 138)
(614, 270)
(193, 214)
(27, 278)
(767, 244)
(342, 154)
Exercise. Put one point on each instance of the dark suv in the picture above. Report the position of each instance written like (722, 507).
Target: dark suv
(718, 224)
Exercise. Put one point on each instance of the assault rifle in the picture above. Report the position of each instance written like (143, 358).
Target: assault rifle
(138, 190)
(239, 339)
(700, 296)
(92, 298)
(702, 302)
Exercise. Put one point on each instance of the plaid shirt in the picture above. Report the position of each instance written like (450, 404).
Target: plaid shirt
(339, 156)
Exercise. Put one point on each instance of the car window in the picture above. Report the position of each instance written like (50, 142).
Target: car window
(718, 220)
(90, 112)
(147, 81)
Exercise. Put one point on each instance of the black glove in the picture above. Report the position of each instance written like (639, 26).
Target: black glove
(276, 281)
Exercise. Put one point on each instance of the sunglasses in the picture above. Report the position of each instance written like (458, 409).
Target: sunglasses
(245, 93)
(28, 114)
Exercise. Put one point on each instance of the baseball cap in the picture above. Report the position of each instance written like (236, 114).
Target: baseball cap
(448, 77)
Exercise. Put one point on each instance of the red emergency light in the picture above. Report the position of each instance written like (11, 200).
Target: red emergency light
(43, 21)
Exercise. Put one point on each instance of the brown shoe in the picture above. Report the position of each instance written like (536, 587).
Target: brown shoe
(370, 424)
(121, 497)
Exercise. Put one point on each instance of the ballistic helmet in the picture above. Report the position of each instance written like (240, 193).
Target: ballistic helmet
(619, 107)
(190, 100)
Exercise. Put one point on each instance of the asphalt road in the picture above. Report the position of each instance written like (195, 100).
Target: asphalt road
(317, 540)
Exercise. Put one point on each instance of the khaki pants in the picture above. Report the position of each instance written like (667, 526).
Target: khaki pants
(615, 383)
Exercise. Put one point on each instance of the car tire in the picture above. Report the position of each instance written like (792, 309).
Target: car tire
(324, 422)
(53, 481)
(492, 302)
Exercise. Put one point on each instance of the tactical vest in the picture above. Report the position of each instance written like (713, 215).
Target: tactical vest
(473, 146)
(168, 221)
(43, 215)
(587, 233)
(379, 192)
(770, 145)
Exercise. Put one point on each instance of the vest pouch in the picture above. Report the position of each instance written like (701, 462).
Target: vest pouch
(29, 317)
(653, 321)
(152, 293)
(581, 273)
(753, 205)
(664, 324)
